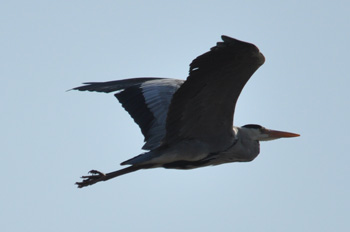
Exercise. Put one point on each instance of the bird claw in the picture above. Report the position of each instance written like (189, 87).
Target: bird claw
(96, 176)
(95, 172)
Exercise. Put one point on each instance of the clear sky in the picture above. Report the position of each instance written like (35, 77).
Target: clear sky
(50, 137)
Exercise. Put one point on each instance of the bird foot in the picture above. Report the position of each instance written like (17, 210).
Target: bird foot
(96, 176)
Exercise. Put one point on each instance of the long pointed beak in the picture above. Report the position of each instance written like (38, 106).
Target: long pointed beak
(279, 134)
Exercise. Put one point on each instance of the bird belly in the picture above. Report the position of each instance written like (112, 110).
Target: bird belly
(184, 151)
(187, 151)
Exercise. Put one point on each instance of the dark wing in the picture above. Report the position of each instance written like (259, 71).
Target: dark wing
(146, 100)
(203, 107)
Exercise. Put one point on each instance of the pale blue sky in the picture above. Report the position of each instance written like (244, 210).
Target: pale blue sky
(50, 137)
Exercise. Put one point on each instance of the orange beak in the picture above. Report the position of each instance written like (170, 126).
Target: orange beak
(279, 134)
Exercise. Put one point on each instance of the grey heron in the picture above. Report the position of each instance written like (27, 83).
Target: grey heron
(189, 124)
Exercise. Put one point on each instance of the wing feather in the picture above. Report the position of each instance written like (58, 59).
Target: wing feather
(203, 107)
(146, 100)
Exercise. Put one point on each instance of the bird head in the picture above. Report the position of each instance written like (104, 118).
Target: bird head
(259, 133)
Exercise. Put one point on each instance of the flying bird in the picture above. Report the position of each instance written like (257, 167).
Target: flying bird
(189, 124)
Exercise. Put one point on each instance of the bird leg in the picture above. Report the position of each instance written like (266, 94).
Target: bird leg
(97, 176)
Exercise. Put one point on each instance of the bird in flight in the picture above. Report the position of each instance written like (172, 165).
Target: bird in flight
(189, 124)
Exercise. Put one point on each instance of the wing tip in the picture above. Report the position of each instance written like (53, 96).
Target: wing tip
(87, 86)
(228, 41)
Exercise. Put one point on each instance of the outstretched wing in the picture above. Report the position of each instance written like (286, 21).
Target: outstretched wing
(203, 107)
(146, 100)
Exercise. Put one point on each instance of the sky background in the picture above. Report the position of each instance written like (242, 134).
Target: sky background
(50, 137)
